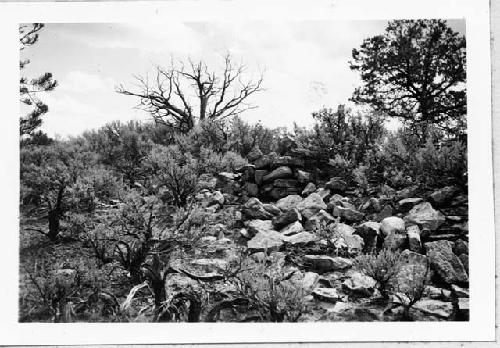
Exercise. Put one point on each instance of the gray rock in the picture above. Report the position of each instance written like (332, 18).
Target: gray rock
(256, 226)
(288, 161)
(345, 240)
(312, 203)
(217, 198)
(315, 221)
(252, 189)
(396, 242)
(266, 241)
(359, 285)
(391, 225)
(286, 218)
(460, 292)
(425, 216)
(289, 202)
(326, 294)
(301, 238)
(408, 203)
(247, 173)
(461, 247)
(293, 228)
(254, 209)
(286, 183)
(303, 176)
(372, 206)
(369, 231)
(277, 193)
(325, 263)
(434, 307)
(384, 213)
(348, 214)
(310, 280)
(324, 193)
(282, 172)
(336, 185)
(259, 176)
(463, 308)
(464, 258)
(414, 242)
(310, 188)
(443, 196)
(265, 161)
(254, 154)
(271, 209)
(445, 262)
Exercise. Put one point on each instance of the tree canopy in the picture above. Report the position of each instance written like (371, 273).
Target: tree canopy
(168, 97)
(416, 72)
(29, 88)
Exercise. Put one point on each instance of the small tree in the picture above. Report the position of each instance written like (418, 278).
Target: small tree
(30, 88)
(416, 72)
(59, 177)
(218, 96)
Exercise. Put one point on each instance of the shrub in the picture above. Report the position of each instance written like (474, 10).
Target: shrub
(383, 267)
(173, 170)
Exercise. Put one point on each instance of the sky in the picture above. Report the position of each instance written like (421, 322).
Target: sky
(305, 65)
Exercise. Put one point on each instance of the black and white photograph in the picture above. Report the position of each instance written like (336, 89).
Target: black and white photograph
(250, 171)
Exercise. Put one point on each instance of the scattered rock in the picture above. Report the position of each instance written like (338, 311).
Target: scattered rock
(445, 262)
(288, 161)
(282, 172)
(266, 241)
(315, 221)
(325, 263)
(408, 203)
(372, 206)
(359, 284)
(310, 280)
(310, 188)
(303, 177)
(392, 225)
(348, 214)
(252, 189)
(369, 231)
(464, 258)
(271, 209)
(461, 247)
(324, 193)
(414, 243)
(254, 209)
(437, 293)
(434, 307)
(289, 202)
(286, 218)
(254, 154)
(460, 292)
(265, 161)
(312, 204)
(257, 226)
(293, 228)
(463, 309)
(217, 198)
(395, 242)
(259, 176)
(384, 213)
(326, 294)
(443, 196)
(336, 185)
(426, 216)
(301, 238)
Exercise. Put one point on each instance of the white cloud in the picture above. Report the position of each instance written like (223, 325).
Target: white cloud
(83, 82)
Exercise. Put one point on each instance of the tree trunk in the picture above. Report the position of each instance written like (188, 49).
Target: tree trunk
(54, 225)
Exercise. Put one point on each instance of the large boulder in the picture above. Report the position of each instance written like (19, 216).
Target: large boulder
(254, 209)
(324, 263)
(289, 202)
(311, 205)
(282, 172)
(445, 262)
(293, 228)
(392, 224)
(266, 241)
(425, 216)
(286, 218)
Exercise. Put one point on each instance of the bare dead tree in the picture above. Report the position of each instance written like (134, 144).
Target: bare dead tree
(170, 101)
